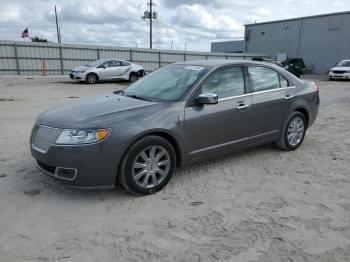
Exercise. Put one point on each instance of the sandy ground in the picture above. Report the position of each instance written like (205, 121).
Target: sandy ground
(258, 205)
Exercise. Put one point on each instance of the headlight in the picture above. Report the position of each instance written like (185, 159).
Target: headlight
(82, 71)
(73, 137)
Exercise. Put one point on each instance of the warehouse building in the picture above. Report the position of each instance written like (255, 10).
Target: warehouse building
(321, 40)
(228, 46)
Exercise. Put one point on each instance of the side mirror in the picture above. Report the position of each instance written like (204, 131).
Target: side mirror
(207, 99)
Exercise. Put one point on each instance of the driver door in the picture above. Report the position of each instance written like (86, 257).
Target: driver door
(214, 128)
(109, 70)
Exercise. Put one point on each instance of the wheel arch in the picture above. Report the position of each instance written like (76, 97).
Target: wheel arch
(305, 112)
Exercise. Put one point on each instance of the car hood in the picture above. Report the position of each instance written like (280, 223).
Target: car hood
(91, 111)
(81, 68)
(341, 68)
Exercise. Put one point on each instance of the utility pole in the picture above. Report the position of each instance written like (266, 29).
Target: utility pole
(58, 31)
(185, 46)
(150, 15)
(150, 24)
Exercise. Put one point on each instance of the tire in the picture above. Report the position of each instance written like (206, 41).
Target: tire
(91, 78)
(289, 129)
(133, 77)
(139, 173)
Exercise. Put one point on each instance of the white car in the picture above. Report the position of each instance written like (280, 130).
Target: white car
(107, 69)
(340, 71)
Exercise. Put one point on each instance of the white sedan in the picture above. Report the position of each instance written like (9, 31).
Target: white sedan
(107, 69)
(340, 71)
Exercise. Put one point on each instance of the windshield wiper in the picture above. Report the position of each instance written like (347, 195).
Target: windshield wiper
(137, 97)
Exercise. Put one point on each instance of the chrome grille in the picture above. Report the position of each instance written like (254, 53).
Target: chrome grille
(43, 137)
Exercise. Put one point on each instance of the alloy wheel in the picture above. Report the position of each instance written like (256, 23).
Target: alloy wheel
(151, 167)
(296, 131)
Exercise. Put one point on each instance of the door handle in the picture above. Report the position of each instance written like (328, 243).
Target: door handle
(242, 106)
(288, 97)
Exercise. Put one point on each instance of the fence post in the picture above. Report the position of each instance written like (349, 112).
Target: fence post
(130, 53)
(61, 59)
(206, 56)
(16, 57)
(226, 57)
(159, 59)
(98, 53)
(184, 56)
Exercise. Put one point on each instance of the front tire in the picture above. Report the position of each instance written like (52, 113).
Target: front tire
(293, 132)
(147, 166)
(133, 77)
(91, 79)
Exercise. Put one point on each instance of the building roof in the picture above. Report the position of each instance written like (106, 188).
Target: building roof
(299, 18)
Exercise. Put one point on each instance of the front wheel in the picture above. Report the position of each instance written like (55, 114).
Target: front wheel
(147, 166)
(91, 78)
(293, 132)
(133, 77)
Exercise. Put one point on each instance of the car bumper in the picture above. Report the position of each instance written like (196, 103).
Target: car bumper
(76, 76)
(339, 76)
(83, 166)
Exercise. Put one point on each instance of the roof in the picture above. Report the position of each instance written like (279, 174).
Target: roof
(219, 62)
(300, 18)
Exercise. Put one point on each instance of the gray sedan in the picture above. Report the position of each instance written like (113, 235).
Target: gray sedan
(179, 114)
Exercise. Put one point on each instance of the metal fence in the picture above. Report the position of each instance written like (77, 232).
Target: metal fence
(27, 58)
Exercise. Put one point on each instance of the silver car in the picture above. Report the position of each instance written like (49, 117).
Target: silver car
(107, 69)
(175, 116)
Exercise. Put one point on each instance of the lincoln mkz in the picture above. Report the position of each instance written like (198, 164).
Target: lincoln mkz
(177, 115)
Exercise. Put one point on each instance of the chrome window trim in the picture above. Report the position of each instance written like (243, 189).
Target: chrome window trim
(256, 93)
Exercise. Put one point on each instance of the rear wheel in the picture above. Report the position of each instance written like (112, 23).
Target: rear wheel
(91, 78)
(133, 77)
(147, 166)
(293, 133)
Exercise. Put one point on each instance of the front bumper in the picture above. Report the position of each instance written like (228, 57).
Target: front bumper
(83, 166)
(77, 76)
(332, 75)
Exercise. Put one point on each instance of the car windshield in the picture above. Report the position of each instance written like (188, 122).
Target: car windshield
(168, 83)
(96, 63)
(344, 63)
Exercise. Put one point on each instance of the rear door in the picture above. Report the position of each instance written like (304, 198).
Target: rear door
(271, 97)
(217, 127)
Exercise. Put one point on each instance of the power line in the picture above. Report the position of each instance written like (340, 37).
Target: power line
(178, 30)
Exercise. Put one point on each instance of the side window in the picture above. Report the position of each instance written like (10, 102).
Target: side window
(263, 78)
(113, 63)
(225, 83)
(122, 63)
(283, 82)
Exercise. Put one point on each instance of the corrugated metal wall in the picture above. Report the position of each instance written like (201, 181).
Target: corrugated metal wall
(27, 58)
(321, 41)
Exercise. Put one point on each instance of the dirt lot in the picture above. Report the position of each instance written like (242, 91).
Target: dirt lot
(258, 205)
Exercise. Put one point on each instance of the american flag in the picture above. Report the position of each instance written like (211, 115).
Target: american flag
(25, 33)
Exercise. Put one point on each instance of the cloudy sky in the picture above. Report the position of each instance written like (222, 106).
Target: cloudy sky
(119, 22)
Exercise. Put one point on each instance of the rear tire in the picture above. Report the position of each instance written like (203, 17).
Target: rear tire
(293, 132)
(147, 166)
(91, 78)
(133, 77)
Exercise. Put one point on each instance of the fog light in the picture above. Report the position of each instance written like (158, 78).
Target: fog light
(65, 173)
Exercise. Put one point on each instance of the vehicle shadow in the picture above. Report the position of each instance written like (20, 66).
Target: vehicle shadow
(67, 81)
(36, 181)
